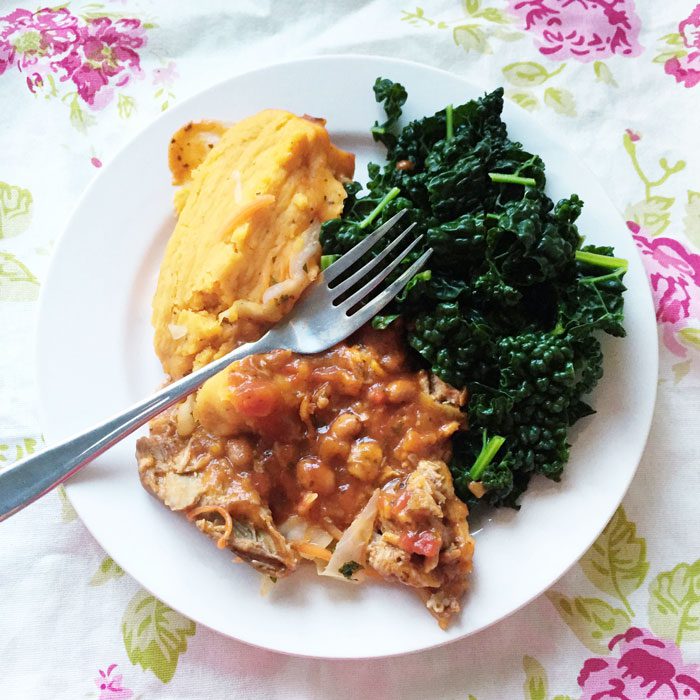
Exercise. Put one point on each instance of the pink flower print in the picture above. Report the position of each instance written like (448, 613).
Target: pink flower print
(643, 666)
(673, 299)
(686, 69)
(110, 685)
(165, 76)
(97, 55)
(106, 57)
(31, 40)
(689, 29)
(683, 71)
(634, 135)
(674, 274)
(35, 82)
(585, 30)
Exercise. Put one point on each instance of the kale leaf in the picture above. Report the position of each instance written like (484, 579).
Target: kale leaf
(393, 95)
(349, 569)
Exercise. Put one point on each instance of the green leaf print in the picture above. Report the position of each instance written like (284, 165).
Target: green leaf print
(592, 620)
(471, 7)
(668, 55)
(617, 562)
(535, 686)
(674, 39)
(691, 220)
(419, 18)
(15, 210)
(125, 106)
(22, 448)
(155, 635)
(68, 514)
(471, 38)
(79, 118)
(652, 214)
(603, 73)
(528, 73)
(652, 211)
(674, 603)
(675, 48)
(491, 14)
(17, 283)
(108, 570)
(524, 99)
(505, 34)
(680, 370)
(690, 336)
(561, 101)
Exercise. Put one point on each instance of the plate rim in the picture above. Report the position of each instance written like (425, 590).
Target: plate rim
(261, 67)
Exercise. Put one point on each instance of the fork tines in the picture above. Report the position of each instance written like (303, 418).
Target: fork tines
(344, 294)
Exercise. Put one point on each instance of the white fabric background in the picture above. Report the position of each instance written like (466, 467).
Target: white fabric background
(57, 630)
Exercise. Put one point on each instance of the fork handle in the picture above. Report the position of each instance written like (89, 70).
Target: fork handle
(30, 478)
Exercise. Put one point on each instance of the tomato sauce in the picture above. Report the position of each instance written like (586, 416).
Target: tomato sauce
(316, 434)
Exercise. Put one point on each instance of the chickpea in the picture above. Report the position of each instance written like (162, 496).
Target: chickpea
(346, 426)
(391, 362)
(216, 449)
(240, 452)
(365, 460)
(331, 447)
(376, 395)
(400, 391)
(315, 476)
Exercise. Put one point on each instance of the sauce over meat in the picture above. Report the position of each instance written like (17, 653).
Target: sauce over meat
(315, 435)
(281, 454)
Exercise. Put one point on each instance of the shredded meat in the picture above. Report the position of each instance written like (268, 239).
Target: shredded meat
(165, 466)
(442, 391)
(422, 538)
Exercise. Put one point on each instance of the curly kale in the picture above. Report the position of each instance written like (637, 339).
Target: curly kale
(393, 95)
(512, 303)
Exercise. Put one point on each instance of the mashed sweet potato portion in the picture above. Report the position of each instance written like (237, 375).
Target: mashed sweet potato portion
(246, 241)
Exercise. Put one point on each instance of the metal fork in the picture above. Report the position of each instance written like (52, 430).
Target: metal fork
(327, 313)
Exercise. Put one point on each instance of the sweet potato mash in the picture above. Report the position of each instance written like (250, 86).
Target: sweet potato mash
(246, 241)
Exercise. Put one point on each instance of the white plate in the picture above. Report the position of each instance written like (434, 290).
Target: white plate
(95, 357)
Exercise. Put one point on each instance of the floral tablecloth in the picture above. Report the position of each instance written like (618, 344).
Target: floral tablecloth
(618, 79)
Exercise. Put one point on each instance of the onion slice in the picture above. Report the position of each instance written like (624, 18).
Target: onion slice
(352, 546)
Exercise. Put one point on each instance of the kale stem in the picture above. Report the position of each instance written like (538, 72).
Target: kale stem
(514, 179)
(603, 278)
(448, 123)
(604, 261)
(488, 452)
(391, 194)
(328, 260)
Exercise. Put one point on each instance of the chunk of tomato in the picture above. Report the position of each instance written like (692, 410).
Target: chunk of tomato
(426, 543)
